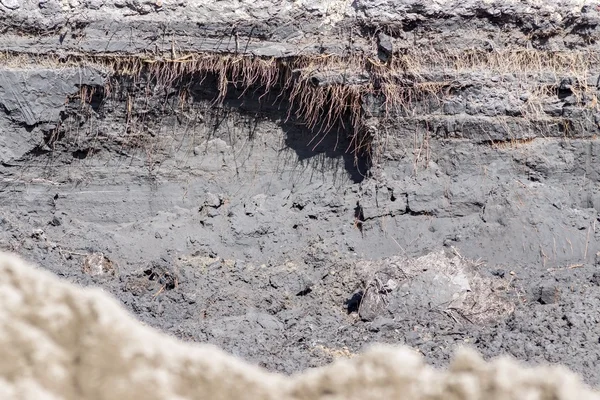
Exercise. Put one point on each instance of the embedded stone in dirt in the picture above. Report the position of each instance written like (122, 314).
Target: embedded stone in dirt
(375, 298)
(160, 276)
(436, 282)
(163, 273)
(97, 264)
(165, 278)
(548, 293)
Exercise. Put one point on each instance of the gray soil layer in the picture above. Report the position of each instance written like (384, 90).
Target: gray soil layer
(471, 220)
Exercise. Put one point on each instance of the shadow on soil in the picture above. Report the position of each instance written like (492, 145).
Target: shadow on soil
(325, 148)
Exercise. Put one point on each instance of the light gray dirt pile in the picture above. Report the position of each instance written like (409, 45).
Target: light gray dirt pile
(174, 154)
(62, 342)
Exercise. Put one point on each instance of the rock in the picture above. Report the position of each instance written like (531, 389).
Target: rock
(381, 324)
(500, 273)
(212, 200)
(565, 84)
(399, 287)
(554, 109)
(385, 47)
(55, 221)
(294, 281)
(571, 100)
(453, 107)
(255, 205)
(97, 264)
(373, 304)
(379, 284)
(548, 293)
(38, 234)
(163, 273)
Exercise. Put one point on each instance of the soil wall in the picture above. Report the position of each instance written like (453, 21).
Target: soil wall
(293, 181)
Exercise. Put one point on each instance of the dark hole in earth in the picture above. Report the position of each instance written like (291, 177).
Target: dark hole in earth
(353, 302)
(163, 277)
(304, 292)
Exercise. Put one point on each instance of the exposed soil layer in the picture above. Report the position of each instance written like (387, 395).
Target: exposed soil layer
(466, 214)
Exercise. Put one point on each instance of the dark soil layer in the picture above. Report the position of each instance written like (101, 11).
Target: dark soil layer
(233, 223)
(239, 230)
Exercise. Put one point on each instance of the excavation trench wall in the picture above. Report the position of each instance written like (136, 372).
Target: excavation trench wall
(295, 181)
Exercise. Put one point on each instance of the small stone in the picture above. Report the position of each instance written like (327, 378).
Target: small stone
(212, 200)
(157, 235)
(219, 145)
(97, 264)
(565, 84)
(454, 107)
(55, 221)
(554, 109)
(386, 47)
(571, 100)
(38, 234)
(390, 285)
(500, 273)
(372, 305)
(489, 45)
(548, 294)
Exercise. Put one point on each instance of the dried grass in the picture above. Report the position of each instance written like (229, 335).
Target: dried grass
(403, 83)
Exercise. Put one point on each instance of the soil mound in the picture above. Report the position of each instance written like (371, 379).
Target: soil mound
(59, 341)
